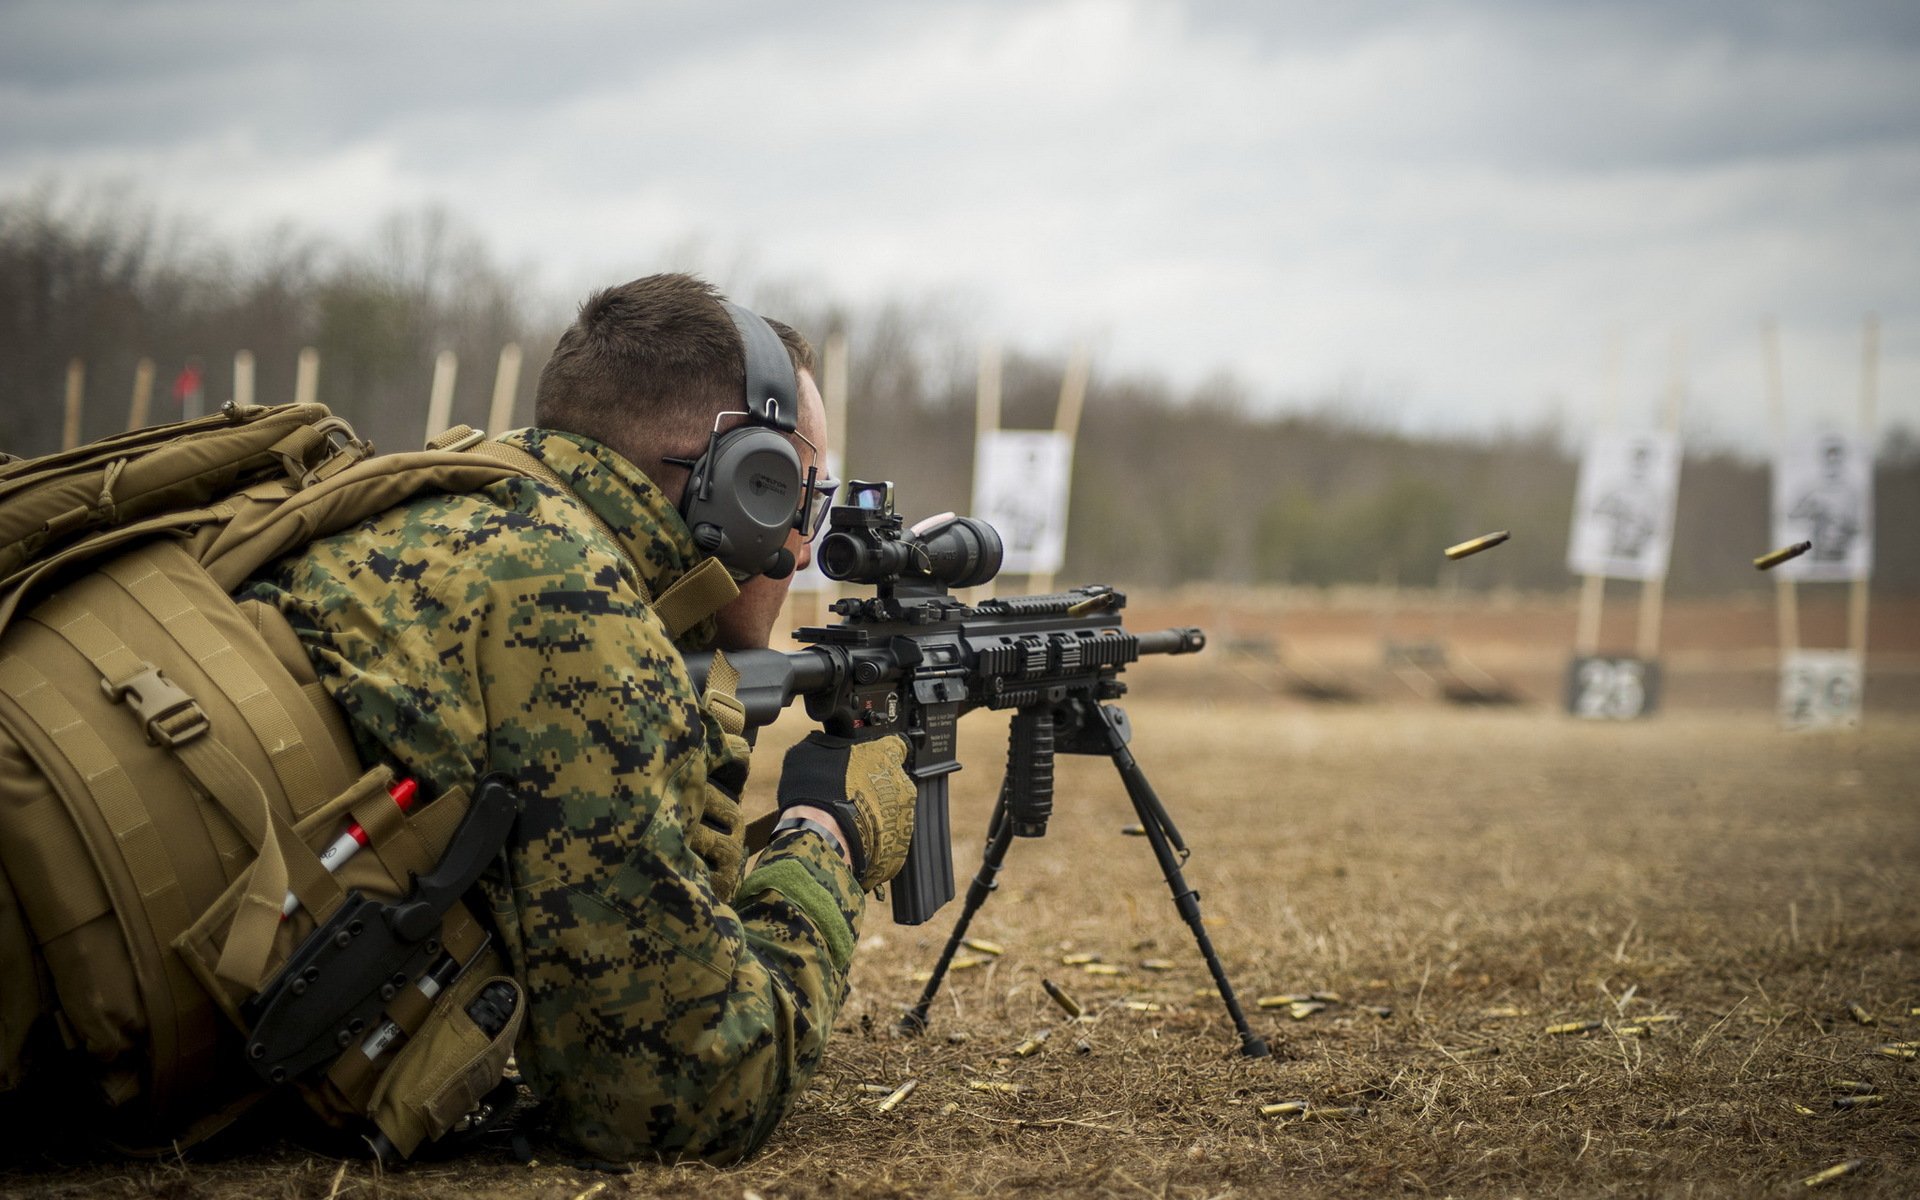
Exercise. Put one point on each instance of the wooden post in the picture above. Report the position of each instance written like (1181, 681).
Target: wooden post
(1586, 638)
(1593, 588)
(835, 394)
(1869, 395)
(306, 378)
(440, 399)
(242, 378)
(506, 388)
(142, 394)
(1066, 419)
(986, 413)
(76, 394)
(1653, 592)
(986, 419)
(1786, 601)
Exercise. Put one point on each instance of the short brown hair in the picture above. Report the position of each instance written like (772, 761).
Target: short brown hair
(646, 365)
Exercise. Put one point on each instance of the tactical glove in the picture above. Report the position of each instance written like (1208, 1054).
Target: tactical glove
(716, 829)
(866, 787)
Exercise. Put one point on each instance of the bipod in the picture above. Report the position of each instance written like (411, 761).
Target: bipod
(1025, 804)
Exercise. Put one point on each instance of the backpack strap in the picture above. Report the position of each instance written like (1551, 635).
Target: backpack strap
(174, 720)
(143, 862)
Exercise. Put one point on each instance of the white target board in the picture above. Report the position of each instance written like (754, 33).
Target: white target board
(1021, 479)
(811, 580)
(1823, 493)
(1623, 506)
(1820, 689)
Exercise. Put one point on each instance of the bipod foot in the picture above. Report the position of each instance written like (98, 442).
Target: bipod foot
(912, 1023)
(1252, 1045)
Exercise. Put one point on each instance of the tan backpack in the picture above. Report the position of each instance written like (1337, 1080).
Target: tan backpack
(170, 771)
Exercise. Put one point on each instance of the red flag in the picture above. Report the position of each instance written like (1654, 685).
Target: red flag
(187, 382)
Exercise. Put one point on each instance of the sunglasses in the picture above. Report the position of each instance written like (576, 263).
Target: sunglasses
(811, 520)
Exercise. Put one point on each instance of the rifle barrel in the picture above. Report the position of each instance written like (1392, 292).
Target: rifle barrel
(1181, 640)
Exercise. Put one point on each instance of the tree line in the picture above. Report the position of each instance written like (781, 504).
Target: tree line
(1170, 484)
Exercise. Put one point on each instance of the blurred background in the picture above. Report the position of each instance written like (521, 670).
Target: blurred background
(1354, 281)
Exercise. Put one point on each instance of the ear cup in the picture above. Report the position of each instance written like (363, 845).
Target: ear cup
(742, 500)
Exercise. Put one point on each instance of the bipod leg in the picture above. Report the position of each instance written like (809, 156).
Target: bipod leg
(1161, 835)
(999, 837)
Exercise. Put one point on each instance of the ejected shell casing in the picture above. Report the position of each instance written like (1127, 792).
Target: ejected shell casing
(1305, 1009)
(958, 1036)
(1631, 1031)
(1859, 1014)
(984, 946)
(1100, 968)
(993, 1085)
(876, 1089)
(1032, 1043)
(1078, 959)
(1872, 1100)
(1332, 1113)
(1658, 1019)
(1281, 1001)
(1286, 1108)
(1836, 1171)
(896, 1096)
(1804, 1111)
(1156, 964)
(1325, 997)
(1134, 830)
(1895, 1050)
(1858, 1087)
(924, 975)
(1083, 1046)
(949, 1108)
(1773, 558)
(1476, 545)
(1147, 1006)
(964, 962)
(1501, 1013)
(1092, 604)
(1914, 1011)
(1573, 1027)
(1067, 1003)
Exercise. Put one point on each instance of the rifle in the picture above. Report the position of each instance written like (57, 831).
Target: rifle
(912, 659)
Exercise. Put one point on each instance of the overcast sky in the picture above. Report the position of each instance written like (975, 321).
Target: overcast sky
(1446, 209)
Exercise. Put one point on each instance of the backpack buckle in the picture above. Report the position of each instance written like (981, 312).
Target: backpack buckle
(348, 449)
(168, 715)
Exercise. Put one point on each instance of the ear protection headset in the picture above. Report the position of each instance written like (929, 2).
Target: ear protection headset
(747, 492)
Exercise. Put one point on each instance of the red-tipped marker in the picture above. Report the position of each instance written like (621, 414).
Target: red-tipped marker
(348, 844)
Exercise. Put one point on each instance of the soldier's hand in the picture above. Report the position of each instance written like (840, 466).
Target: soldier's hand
(866, 787)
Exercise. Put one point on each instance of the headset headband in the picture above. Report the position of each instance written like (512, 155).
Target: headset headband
(771, 382)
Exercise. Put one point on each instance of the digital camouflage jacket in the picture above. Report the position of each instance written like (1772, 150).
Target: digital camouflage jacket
(501, 631)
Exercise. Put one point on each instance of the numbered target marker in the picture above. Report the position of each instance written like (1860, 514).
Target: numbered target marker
(1612, 688)
(1820, 689)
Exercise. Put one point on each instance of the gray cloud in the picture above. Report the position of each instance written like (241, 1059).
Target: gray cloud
(1451, 204)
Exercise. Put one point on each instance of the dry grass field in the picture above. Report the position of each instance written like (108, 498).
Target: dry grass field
(1706, 898)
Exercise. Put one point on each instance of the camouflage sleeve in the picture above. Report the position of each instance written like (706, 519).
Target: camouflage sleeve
(661, 1020)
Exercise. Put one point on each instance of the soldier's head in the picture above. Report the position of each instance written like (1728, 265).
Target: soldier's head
(645, 368)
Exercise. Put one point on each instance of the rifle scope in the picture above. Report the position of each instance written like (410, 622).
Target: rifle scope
(866, 544)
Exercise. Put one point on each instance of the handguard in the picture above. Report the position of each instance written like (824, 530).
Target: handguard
(333, 988)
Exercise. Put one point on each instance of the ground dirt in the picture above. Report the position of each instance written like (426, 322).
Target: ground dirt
(1459, 881)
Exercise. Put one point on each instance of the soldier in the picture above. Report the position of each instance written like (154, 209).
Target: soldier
(674, 1008)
